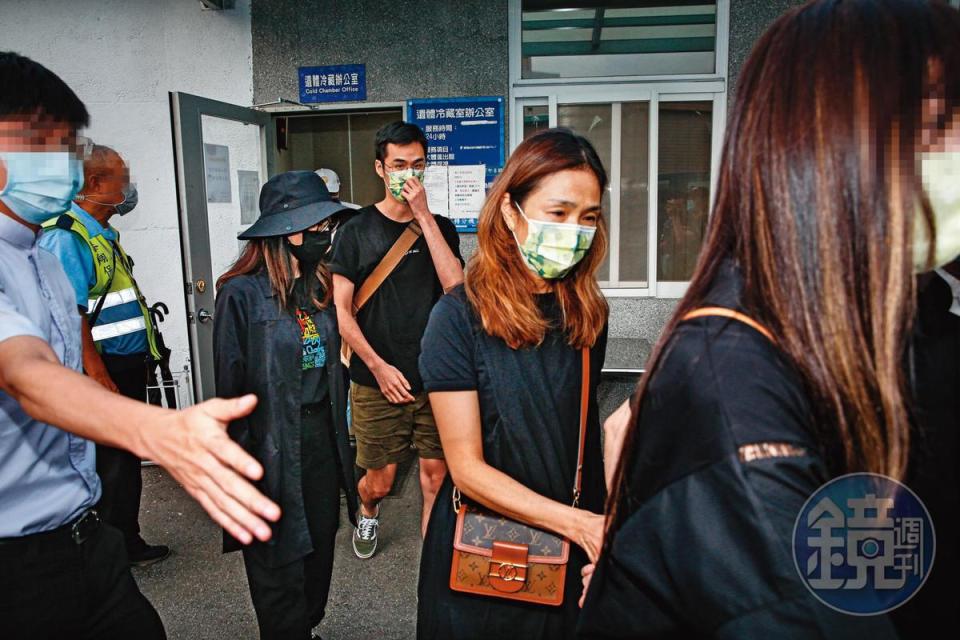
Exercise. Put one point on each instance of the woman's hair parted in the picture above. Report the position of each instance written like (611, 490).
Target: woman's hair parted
(816, 200)
(498, 283)
(272, 255)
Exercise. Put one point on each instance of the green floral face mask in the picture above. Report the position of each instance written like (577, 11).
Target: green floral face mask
(399, 178)
(940, 175)
(552, 249)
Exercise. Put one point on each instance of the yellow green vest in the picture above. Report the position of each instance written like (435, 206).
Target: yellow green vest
(128, 309)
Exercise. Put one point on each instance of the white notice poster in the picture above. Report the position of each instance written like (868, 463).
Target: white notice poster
(467, 186)
(435, 183)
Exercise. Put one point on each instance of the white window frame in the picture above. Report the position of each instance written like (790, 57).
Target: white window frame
(615, 90)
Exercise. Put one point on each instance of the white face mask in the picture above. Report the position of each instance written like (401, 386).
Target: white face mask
(940, 175)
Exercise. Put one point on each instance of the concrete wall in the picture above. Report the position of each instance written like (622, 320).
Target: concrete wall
(122, 57)
(412, 48)
(748, 20)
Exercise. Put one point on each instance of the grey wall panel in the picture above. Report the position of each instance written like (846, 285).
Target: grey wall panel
(412, 48)
(748, 20)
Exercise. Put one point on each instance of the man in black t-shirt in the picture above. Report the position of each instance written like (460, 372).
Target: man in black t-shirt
(390, 410)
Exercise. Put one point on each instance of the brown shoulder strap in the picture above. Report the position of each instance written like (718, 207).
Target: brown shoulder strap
(584, 408)
(386, 265)
(733, 315)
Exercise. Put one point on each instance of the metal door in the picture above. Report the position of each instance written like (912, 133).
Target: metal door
(223, 154)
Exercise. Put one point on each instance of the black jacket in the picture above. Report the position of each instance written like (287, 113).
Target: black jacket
(704, 549)
(257, 349)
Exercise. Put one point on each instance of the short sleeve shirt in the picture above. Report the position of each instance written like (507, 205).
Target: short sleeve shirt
(394, 319)
(47, 475)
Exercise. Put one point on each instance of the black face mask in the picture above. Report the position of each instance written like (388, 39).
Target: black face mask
(315, 246)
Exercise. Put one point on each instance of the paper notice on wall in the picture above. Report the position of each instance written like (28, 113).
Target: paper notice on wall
(436, 184)
(467, 185)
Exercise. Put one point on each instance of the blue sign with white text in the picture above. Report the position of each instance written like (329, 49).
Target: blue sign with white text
(462, 131)
(335, 83)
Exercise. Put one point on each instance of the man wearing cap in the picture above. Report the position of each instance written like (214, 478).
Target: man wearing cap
(332, 180)
(119, 340)
(275, 334)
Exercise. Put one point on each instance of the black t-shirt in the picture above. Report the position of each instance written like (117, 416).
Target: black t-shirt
(530, 425)
(394, 319)
(314, 354)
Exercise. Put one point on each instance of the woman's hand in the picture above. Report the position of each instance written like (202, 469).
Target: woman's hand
(586, 574)
(614, 430)
(588, 533)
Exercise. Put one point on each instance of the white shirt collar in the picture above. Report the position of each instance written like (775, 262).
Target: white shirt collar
(954, 288)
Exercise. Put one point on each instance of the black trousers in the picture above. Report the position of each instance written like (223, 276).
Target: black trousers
(119, 470)
(290, 600)
(51, 587)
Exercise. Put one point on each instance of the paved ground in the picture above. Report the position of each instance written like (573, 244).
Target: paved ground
(202, 594)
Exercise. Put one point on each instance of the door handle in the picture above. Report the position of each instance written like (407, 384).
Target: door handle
(204, 316)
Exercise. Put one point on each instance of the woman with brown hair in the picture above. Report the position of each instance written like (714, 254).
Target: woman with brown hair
(502, 361)
(275, 335)
(829, 186)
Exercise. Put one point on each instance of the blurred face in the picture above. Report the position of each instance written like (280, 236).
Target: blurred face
(40, 167)
(107, 187)
(568, 197)
(676, 207)
(20, 133)
(938, 162)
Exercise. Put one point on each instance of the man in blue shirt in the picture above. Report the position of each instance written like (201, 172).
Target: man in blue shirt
(119, 340)
(64, 572)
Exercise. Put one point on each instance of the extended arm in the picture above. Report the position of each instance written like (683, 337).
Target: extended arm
(192, 444)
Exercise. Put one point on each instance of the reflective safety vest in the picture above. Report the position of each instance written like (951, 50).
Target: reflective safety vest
(128, 311)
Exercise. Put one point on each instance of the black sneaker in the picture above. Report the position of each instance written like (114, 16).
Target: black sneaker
(148, 554)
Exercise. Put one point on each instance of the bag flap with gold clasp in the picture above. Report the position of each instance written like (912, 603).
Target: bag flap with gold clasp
(478, 529)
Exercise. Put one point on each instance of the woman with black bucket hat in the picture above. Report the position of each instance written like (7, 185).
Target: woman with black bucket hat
(275, 334)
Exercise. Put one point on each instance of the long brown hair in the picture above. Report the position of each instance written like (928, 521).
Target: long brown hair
(500, 286)
(816, 199)
(273, 256)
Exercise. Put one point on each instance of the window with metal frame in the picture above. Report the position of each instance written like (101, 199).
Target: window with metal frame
(655, 118)
(594, 38)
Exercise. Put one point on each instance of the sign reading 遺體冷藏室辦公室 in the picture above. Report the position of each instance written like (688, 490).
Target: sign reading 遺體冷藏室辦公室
(334, 83)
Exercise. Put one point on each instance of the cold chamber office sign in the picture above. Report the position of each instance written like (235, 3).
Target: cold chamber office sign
(863, 544)
(334, 83)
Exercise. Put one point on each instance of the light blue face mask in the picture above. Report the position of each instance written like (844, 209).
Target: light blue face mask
(40, 184)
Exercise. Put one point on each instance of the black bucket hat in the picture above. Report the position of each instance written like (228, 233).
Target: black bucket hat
(291, 202)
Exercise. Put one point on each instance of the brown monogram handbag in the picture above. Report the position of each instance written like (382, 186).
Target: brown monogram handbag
(502, 558)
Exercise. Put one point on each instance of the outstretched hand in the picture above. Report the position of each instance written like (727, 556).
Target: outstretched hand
(194, 447)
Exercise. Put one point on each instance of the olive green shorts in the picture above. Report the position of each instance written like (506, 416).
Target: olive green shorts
(385, 431)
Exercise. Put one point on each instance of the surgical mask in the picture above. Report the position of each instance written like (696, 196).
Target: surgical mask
(315, 245)
(552, 249)
(122, 208)
(40, 184)
(940, 175)
(399, 178)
